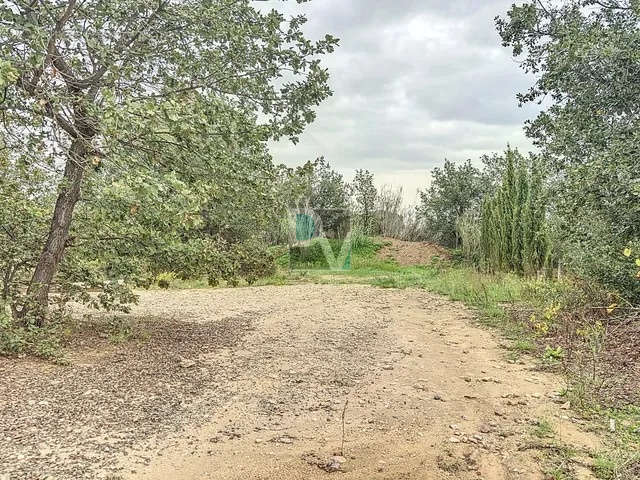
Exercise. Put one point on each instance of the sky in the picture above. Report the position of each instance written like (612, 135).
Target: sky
(415, 82)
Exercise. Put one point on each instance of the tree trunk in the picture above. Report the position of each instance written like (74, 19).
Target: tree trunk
(38, 292)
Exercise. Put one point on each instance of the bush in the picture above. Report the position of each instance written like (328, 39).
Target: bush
(18, 339)
(165, 279)
(312, 256)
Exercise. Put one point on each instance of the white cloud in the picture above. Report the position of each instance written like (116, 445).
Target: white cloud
(415, 81)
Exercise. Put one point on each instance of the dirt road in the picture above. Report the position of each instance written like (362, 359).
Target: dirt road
(253, 383)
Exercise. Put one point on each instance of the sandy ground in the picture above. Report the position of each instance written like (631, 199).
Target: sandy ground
(254, 383)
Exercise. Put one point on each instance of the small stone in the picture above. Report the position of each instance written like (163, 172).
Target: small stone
(186, 363)
(484, 428)
(333, 465)
(454, 440)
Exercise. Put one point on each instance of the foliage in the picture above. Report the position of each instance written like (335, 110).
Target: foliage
(588, 135)
(29, 339)
(171, 97)
(468, 228)
(164, 279)
(365, 194)
(454, 190)
(326, 193)
(313, 256)
(26, 207)
(513, 234)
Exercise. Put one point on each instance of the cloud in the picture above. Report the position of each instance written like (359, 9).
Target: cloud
(415, 81)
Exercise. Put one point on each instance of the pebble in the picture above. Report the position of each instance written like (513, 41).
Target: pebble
(186, 363)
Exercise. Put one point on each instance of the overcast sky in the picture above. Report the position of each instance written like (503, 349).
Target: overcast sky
(415, 82)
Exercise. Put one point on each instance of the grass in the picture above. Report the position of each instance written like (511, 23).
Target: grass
(544, 429)
(558, 457)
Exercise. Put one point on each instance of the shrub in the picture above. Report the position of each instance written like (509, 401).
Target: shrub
(16, 339)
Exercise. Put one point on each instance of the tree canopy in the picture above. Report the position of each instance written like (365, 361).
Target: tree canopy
(454, 189)
(133, 99)
(585, 58)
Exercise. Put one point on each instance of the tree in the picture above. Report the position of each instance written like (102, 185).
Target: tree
(326, 192)
(584, 55)
(454, 189)
(513, 224)
(92, 82)
(365, 194)
(26, 206)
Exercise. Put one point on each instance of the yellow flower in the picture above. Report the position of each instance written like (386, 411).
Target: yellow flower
(638, 261)
(627, 252)
(612, 307)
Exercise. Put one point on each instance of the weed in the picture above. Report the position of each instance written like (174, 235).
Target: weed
(524, 346)
(617, 465)
(553, 356)
(604, 467)
(17, 339)
(544, 429)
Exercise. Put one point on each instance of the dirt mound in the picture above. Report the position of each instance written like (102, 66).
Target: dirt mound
(411, 253)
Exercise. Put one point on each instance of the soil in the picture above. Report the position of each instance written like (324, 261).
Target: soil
(411, 253)
(288, 382)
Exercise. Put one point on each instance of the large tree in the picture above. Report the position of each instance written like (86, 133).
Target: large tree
(121, 82)
(454, 190)
(584, 55)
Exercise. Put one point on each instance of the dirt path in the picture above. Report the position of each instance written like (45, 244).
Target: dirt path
(252, 384)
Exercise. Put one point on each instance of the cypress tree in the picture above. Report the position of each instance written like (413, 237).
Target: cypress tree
(519, 225)
(513, 228)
